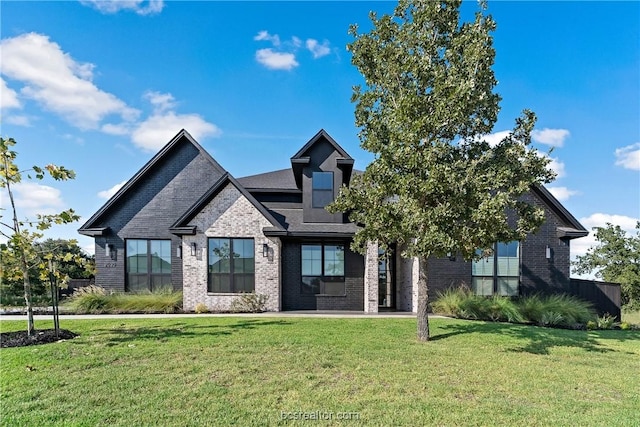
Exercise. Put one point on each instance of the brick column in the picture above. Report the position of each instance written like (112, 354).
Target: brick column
(371, 278)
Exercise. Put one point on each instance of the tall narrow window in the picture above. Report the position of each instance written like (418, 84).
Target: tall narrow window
(231, 265)
(322, 187)
(323, 269)
(148, 264)
(499, 273)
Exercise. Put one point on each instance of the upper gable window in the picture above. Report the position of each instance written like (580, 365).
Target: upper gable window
(322, 186)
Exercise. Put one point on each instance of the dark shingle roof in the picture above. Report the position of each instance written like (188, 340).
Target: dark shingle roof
(292, 221)
(281, 179)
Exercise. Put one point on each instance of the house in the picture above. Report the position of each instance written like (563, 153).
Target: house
(184, 222)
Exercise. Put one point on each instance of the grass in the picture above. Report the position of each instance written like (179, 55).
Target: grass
(632, 317)
(93, 299)
(247, 371)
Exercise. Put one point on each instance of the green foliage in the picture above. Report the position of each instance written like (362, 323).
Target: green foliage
(95, 300)
(615, 258)
(553, 310)
(243, 371)
(20, 233)
(250, 303)
(606, 322)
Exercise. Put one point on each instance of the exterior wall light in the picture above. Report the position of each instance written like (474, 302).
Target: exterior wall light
(548, 252)
(194, 249)
(265, 250)
(179, 251)
(108, 250)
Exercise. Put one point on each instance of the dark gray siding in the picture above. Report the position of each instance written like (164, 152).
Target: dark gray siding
(444, 273)
(150, 207)
(323, 159)
(293, 299)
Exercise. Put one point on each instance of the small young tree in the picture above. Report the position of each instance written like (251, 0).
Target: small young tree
(19, 233)
(435, 186)
(615, 258)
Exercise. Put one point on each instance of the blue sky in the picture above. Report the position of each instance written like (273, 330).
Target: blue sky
(100, 86)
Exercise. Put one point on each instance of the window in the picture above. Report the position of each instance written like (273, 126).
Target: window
(231, 265)
(148, 264)
(322, 188)
(499, 273)
(323, 269)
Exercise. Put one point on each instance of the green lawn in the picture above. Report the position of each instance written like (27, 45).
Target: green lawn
(248, 371)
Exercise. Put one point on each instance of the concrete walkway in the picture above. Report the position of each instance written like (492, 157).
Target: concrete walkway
(310, 314)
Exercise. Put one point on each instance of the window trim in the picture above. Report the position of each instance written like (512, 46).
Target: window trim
(149, 273)
(321, 190)
(231, 274)
(322, 276)
(495, 277)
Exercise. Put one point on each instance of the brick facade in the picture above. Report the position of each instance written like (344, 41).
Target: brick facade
(231, 215)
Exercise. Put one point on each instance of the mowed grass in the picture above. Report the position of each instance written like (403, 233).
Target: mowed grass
(249, 371)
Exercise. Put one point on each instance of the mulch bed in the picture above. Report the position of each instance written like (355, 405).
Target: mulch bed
(45, 336)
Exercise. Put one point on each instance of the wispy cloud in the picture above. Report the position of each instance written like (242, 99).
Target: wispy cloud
(629, 157)
(58, 82)
(551, 137)
(562, 193)
(140, 7)
(282, 55)
(107, 194)
(8, 97)
(33, 198)
(494, 138)
(276, 60)
(154, 132)
(318, 50)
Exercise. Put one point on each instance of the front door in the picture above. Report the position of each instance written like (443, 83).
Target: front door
(386, 280)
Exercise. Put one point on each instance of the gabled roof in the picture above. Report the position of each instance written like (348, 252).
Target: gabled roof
(321, 134)
(573, 229)
(301, 158)
(182, 227)
(277, 180)
(182, 137)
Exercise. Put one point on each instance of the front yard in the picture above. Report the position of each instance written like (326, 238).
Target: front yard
(268, 371)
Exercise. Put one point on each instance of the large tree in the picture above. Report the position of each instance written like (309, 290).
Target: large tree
(21, 234)
(615, 258)
(436, 186)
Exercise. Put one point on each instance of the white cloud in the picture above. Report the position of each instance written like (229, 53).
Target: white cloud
(562, 193)
(107, 194)
(17, 120)
(552, 137)
(581, 245)
(8, 97)
(276, 60)
(157, 130)
(62, 85)
(32, 198)
(161, 101)
(114, 6)
(558, 167)
(318, 50)
(629, 157)
(494, 138)
(265, 36)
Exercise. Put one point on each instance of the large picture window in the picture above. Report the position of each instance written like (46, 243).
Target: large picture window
(231, 267)
(498, 274)
(322, 187)
(323, 269)
(148, 264)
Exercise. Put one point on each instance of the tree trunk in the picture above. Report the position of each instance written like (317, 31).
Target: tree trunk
(27, 294)
(423, 300)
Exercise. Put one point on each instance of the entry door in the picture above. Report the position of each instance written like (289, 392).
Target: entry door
(386, 279)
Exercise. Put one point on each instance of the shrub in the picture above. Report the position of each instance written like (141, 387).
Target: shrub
(93, 299)
(625, 326)
(591, 325)
(556, 310)
(448, 302)
(201, 308)
(250, 303)
(606, 322)
(503, 309)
